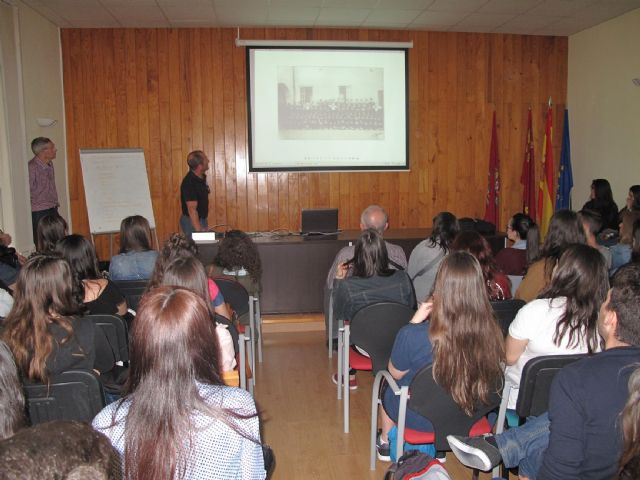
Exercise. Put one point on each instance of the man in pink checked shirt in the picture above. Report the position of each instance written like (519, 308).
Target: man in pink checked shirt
(42, 181)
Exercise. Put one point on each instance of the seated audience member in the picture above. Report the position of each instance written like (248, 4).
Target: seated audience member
(635, 246)
(524, 234)
(45, 331)
(630, 458)
(580, 437)
(601, 202)
(565, 229)
(366, 279)
(136, 258)
(591, 223)
(373, 217)
(239, 260)
(11, 395)
(59, 450)
(99, 294)
(186, 424)
(427, 255)
(10, 261)
(187, 271)
(563, 318)
(179, 245)
(621, 252)
(497, 283)
(445, 332)
(50, 230)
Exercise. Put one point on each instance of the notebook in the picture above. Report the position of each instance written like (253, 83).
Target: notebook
(319, 222)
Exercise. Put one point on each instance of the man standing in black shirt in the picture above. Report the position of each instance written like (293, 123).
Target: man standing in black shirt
(194, 194)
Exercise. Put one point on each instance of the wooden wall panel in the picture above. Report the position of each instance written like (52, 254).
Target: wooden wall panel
(171, 91)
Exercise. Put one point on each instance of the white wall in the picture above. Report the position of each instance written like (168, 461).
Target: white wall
(32, 88)
(604, 106)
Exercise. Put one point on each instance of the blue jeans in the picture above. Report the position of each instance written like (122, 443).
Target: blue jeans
(8, 274)
(524, 446)
(187, 227)
(620, 254)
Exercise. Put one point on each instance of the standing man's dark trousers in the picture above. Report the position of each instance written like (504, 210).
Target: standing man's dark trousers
(35, 218)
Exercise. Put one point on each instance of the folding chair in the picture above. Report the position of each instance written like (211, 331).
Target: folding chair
(72, 395)
(132, 290)
(506, 311)
(426, 397)
(241, 302)
(535, 386)
(373, 329)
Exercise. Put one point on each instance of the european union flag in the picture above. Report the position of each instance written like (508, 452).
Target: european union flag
(565, 177)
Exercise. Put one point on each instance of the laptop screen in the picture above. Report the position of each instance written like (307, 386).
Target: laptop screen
(319, 220)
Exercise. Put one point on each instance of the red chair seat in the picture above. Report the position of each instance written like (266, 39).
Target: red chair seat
(359, 362)
(416, 437)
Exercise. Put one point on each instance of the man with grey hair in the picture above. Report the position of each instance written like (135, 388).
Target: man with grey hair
(374, 216)
(194, 194)
(42, 181)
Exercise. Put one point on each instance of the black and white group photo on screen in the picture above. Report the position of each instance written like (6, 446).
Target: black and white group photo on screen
(330, 103)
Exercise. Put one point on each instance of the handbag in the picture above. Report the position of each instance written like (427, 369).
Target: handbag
(9, 257)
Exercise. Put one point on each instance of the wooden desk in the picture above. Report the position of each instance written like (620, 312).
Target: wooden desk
(294, 270)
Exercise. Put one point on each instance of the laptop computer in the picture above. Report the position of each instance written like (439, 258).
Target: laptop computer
(319, 223)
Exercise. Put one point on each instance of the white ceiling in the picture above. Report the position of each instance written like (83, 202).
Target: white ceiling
(536, 17)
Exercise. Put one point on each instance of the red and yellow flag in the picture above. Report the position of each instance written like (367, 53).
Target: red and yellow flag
(528, 178)
(546, 194)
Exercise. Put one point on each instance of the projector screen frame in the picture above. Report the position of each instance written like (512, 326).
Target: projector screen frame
(252, 168)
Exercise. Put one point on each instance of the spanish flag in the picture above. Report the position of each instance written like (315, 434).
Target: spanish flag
(546, 195)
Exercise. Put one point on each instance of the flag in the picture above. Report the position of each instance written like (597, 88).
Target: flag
(545, 193)
(491, 213)
(565, 176)
(528, 178)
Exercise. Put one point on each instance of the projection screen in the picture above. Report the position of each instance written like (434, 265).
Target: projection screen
(327, 109)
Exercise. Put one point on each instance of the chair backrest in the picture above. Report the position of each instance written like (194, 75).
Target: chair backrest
(374, 327)
(234, 294)
(115, 329)
(72, 395)
(506, 311)
(132, 291)
(535, 382)
(431, 401)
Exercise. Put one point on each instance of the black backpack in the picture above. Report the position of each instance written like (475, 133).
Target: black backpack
(417, 466)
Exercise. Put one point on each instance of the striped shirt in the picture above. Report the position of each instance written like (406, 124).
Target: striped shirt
(42, 183)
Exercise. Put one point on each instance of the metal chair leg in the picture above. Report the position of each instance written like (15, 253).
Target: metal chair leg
(345, 378)
(259, 328)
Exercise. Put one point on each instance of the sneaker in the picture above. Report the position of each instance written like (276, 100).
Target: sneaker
(475, 452)
(383, 450)
(441, 457)
(353, 383)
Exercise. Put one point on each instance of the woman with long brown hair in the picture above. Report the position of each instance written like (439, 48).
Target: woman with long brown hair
(44, 329)
(446, 332)
(565, 229)
(177, 419)
(187, 271)
(498, 286)
(562, 320)
(136, 258)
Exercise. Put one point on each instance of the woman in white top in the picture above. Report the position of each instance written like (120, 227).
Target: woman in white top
(562, 320)
(178, 420)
